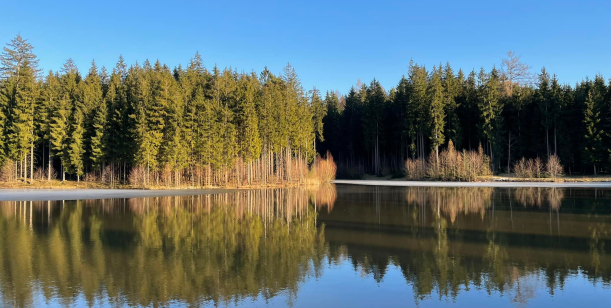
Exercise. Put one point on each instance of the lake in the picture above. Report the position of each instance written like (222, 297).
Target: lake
(331, 246)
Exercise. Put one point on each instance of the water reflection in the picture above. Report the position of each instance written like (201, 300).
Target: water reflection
(232, 248)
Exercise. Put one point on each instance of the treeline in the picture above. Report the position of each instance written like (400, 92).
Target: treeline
(510, 112)
(147, 124)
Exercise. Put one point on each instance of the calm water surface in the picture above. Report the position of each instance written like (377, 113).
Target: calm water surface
(336, 246)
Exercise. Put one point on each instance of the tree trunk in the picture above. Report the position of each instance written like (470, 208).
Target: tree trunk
(50, 165)
(32, 163)
(509, 153)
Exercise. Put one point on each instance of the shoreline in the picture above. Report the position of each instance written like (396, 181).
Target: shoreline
(55, 194)
(473, 184)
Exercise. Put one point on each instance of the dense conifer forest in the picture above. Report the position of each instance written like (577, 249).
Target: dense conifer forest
(149, 124)
(508, 111)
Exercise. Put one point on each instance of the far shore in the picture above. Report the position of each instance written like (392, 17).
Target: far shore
(404, 183)
(57, 194)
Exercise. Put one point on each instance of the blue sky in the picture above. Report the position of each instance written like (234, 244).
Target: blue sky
(331, 44)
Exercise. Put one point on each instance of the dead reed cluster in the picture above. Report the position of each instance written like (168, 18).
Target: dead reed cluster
(451, 165)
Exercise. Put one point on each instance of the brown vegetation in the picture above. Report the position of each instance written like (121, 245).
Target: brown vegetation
(534, 168)
(8, 171)
(452, 165)
(287, 171)
(324, 169)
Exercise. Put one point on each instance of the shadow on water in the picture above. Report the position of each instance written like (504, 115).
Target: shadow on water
(228, 249)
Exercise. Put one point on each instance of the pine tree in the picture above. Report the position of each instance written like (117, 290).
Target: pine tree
(96, 113)
(19, 67)
(59, 129)
(76, 148)
(452, 86)
(593, 136)
(248, 123)
(418, 109)
(490, 110)
(319, 111)
(49, 101)
(437, 102)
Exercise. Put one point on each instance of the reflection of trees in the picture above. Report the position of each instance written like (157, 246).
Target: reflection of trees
(452, 201)
(437, 257)
(153, 251)
(230, 247)
(324, 196)
(539, 196)
(597, 248)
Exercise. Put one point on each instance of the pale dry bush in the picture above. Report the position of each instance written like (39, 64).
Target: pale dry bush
(7, 171)
(535, 168)
(520, 168)
(452, 166)
(39, 173)
(538, 168)
(433, 168)
(107, 174)
(554, 167)
(91, 177)
(137, 176)
(324, 169)
(415, 169)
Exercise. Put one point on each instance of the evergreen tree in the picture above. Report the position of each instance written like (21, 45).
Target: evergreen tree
(452, 90)
(490, 111)
(248, 129)
(437, 102)
(96, 113)
(593, 137)
(49, 102)
(319, 111)
(19, 68)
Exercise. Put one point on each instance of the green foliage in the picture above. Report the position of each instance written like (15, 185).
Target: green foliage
(19, 69)
(593, 150)
(188, 119)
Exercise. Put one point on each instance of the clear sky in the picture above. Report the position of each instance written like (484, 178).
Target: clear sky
(331, 44)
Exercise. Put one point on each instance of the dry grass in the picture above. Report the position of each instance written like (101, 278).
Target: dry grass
(43, 184)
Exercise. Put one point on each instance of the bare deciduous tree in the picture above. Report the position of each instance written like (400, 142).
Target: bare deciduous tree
(515, 72)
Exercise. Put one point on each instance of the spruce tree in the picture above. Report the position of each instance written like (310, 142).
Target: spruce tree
(49, 101)
(593, 135)
(96, 120)
(19, 68)
(437, 100)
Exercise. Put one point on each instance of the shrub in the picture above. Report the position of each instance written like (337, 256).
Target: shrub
(415, 169)
(554, 167)
(324, 168)
(43, 173)
(7, 171)
(137, 176)
(452, 165)
(534, 168)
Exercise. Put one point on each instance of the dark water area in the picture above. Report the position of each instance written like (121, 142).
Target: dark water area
(333, 246)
